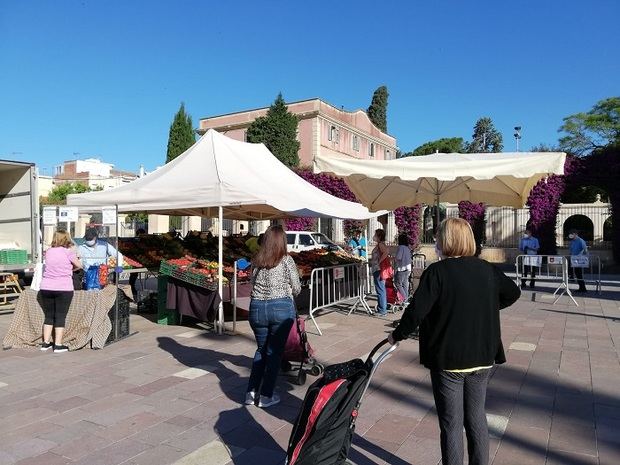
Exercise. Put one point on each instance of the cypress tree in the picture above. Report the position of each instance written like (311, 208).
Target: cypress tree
(181, 135)
(377, 111)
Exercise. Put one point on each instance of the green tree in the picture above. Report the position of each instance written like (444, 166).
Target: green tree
(377, 111)
(58, 195)
(575, 190)
(278, 131)
(443, 145)
(485, 137)
(181, 135)
(594, 129)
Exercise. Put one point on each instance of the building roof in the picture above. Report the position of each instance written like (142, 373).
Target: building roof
(288, 104)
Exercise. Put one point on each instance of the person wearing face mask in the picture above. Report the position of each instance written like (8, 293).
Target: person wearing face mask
(529, 246)
(577, 246)
(94, 251)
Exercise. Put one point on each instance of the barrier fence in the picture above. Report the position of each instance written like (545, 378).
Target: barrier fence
(336, 285)
(559, 269)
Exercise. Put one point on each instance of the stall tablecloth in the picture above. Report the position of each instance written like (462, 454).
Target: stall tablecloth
(190, 300)
(87, 320)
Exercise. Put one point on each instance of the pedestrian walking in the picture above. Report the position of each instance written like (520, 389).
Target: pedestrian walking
(457, 308)
(275, 280)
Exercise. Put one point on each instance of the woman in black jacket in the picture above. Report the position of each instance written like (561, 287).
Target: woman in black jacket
(457, 308)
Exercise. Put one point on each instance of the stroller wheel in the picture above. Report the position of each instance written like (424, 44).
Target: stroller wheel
(316, 370)
(300, 379)
(286, 366)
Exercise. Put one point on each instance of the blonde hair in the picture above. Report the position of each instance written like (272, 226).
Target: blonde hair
(62, 239)
(455, 238)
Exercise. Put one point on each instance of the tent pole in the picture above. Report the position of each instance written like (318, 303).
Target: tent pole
(220, 273)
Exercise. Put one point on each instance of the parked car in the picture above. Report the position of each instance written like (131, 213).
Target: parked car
(298, 241)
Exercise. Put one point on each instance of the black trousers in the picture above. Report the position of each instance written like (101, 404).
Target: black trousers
(55, 306)
(577, 273)
(528, 270)
(460, 399)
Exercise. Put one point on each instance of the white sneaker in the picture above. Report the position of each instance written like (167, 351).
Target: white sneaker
(265, 402)
(250, 398)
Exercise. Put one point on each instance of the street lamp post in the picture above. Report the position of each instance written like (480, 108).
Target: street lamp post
(517, 135)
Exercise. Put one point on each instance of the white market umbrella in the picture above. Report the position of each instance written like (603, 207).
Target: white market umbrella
(502, 179)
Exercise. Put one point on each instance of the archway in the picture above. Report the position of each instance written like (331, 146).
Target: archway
(581, 223)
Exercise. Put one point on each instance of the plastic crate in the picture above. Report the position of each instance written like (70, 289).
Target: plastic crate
(166, 268)
(13, 257)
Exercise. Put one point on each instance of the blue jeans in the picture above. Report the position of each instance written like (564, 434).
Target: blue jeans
(271, 321)
(381, 293)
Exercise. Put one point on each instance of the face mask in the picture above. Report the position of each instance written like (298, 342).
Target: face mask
(571, 236)
(91, 243)
(526, 235)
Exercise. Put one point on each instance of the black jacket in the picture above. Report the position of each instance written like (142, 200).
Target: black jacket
(457, 308)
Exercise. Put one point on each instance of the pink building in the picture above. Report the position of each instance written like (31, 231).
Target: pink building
(322, 129)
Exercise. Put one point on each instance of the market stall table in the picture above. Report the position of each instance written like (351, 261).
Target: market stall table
(87, 320)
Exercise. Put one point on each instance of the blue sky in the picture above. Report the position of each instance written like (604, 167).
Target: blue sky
(104, 78)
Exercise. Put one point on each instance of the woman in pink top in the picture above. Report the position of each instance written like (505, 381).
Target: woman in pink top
(56, 290)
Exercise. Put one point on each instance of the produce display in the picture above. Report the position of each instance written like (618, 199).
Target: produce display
(195, 256)
(309, 259)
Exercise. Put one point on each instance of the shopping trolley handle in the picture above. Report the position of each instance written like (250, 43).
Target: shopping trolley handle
(370, 360)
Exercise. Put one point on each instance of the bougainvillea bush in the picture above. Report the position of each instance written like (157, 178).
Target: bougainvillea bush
(474, 214)
(544, 203)
(336, 187)
(300, 224)
(409, 221)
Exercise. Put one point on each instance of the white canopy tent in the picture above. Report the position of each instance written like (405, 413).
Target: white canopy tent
(222, 177)
(503, 179)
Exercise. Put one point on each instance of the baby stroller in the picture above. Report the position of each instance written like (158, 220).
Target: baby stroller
(324, 429)
(299, 350)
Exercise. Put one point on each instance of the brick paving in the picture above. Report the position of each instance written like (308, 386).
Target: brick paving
(172, 395)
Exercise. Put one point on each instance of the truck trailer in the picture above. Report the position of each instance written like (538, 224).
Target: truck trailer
(20, 244)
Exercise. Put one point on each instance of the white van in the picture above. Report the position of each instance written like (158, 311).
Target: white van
(298, 241)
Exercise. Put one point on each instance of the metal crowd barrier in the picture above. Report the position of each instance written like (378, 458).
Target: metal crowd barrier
(334, 285)
(548, 268)
(591, 265)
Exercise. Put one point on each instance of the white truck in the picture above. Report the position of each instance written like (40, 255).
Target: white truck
(19, 219)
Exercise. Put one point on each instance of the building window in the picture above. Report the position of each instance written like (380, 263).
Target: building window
(387, 155)
(334, 134)
(245, 136)
(371, 150)
(356, 143)
(58, 170)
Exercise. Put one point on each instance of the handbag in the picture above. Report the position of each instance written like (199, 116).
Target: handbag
(385, 270)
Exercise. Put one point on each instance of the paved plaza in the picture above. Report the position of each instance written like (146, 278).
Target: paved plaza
(171, 394)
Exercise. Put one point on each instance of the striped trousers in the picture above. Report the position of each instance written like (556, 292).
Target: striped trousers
(459, 399)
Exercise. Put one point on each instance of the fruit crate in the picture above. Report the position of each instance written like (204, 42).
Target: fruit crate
(197, 279)
(167, 269)
(13, 257)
